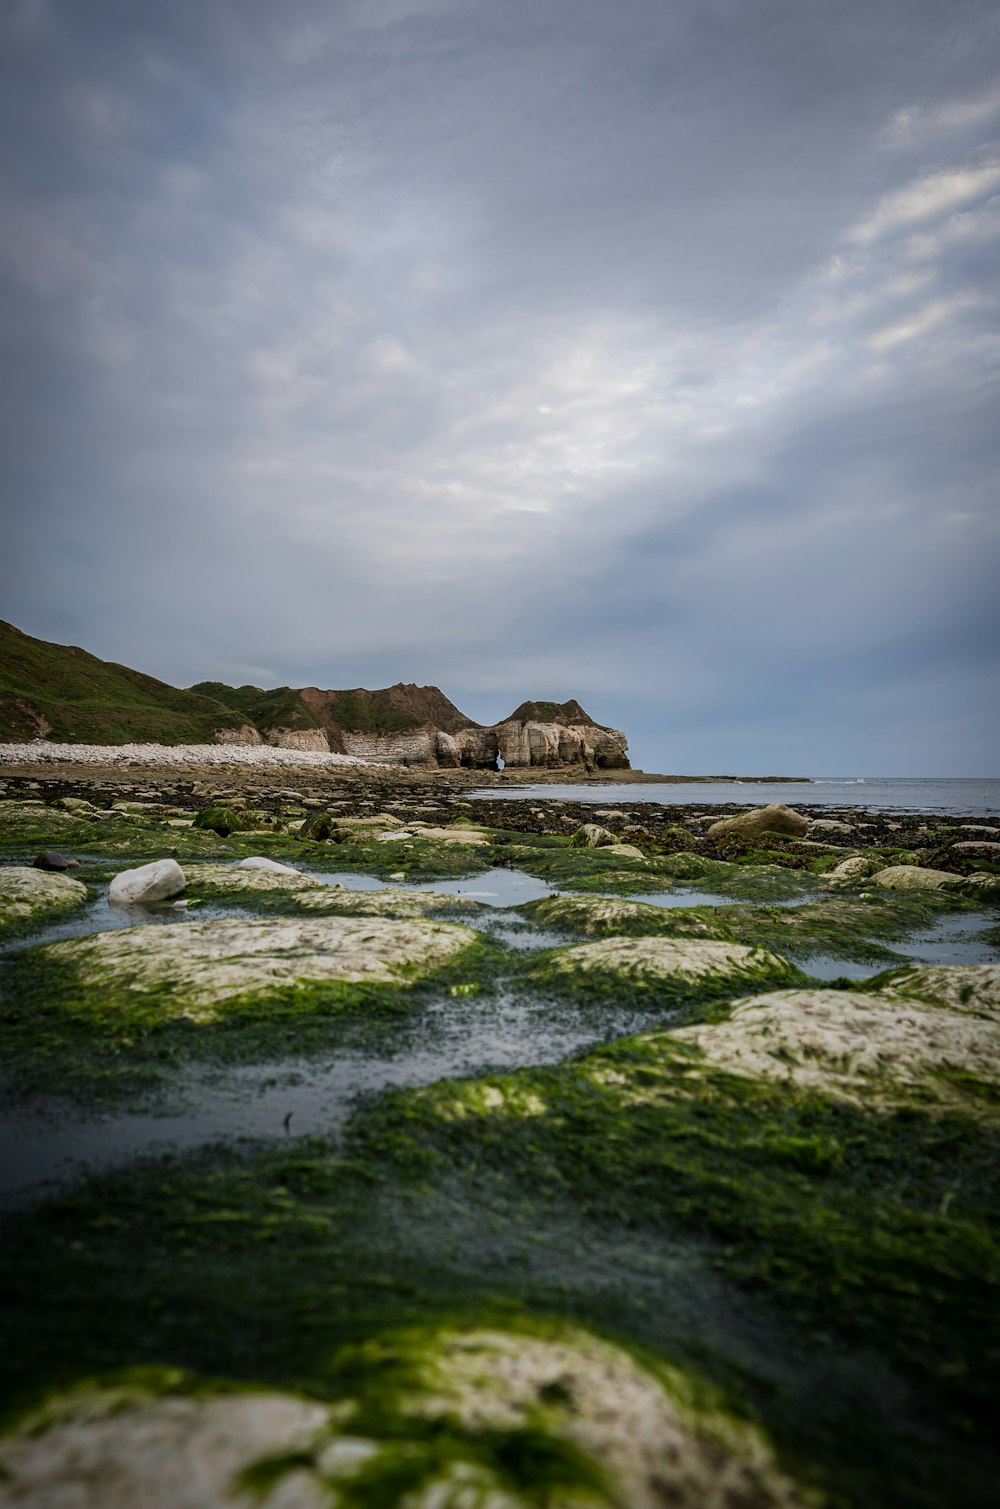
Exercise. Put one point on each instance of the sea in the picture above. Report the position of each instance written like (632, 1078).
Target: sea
(958, 796)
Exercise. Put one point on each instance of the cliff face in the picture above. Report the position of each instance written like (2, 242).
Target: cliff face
(68, 694)
(418, 725)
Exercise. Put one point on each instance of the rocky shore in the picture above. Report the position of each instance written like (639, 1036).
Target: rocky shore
(529, 1152)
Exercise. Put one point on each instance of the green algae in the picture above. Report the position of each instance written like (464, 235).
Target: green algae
(101, 1039)
(857, 1242)
(31, 899)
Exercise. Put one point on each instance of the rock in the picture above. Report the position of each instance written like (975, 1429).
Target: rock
(637, 1436)
(319, 826)
(220, 820)
(610, 914)
(153, 882)
(244, 878)
(191, 971)
(259, 862)
(820, 825)
(982, 829)
(855, 868)
(870, 1048)
(915, 878)
(591, 836)
(774, 818)
(959, 987)
(76, 804)
(50, 860)
(387, 903)
(624, 851)
(451, 835)
(977, 849)
(30, 896)
(678, 963)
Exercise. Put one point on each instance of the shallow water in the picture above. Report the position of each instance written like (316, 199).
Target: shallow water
(973, 796)
(453, 1039)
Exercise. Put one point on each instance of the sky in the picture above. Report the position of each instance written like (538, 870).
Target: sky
(641, 353)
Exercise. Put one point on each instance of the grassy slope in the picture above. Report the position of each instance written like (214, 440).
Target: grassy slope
(282, 707)
(94, 701)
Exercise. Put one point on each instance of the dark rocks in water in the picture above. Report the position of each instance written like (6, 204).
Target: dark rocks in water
(50, 860)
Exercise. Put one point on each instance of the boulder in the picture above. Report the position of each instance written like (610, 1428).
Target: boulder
(977, 849)
(220, 820)
(153, 882)
(49, 859)
(592, 836)
(76, 804)
(774, 818)
(915, 878)
(855, 868)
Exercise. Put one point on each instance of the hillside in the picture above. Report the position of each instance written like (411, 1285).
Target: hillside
(563, 713)
(64, 693)
(282, 707)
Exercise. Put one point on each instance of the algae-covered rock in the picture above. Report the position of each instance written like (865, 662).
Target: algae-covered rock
(246, 878)
(641, 1434)
(871, 1048)
(610, 914)
(858, 867)
(489, 1418)
(192, 968)
(960, 987)
(220, 820)
(124, 1447)
(465, 834)
(388, 903)
(774, 818)
(30, 897)
(157, 881)
(591, 836)
(675, 963)
(914, 878)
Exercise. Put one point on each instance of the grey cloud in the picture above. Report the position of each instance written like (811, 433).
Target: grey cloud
(649, 358)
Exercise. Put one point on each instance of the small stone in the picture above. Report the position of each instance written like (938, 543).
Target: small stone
(50, 860)
(153, 882)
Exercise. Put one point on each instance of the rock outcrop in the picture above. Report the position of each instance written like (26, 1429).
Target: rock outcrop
(70, 694)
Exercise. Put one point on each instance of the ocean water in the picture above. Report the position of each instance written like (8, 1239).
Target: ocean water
(972, 796)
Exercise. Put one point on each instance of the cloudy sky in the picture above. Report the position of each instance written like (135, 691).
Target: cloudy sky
(646, 353)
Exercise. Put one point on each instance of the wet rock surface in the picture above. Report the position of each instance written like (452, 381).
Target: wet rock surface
(733, 1242)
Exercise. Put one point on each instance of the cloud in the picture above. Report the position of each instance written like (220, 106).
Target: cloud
(530, 352)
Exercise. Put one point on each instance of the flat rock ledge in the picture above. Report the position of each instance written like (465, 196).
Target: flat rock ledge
(658, 961)
(930, 1038)
(193, 968)
(641, 1435)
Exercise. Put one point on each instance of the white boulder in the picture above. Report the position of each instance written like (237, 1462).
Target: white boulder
(146, 883)
(258, 862)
